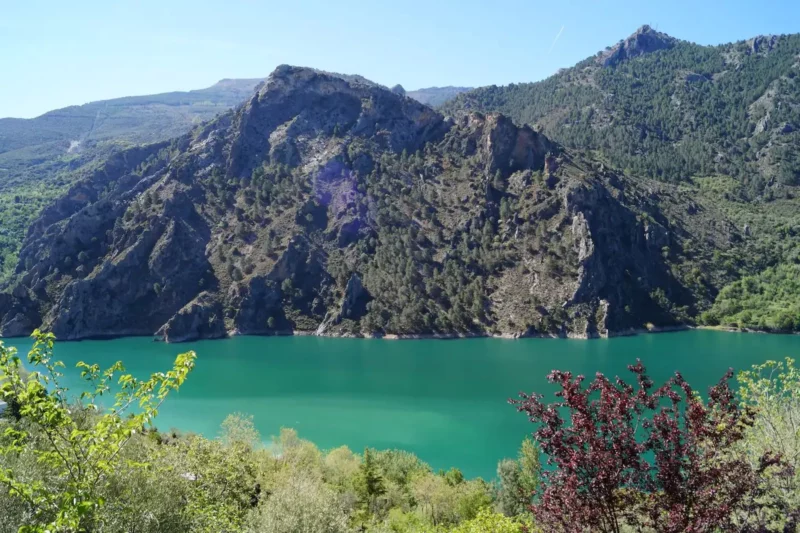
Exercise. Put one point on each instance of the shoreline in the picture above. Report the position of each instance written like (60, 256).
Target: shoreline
(431, 336)
(727, 329)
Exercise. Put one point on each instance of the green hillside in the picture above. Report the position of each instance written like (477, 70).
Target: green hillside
(671, 109)
(41, 157)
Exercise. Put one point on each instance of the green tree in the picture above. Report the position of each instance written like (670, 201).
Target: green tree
(300, 505)
(772, 389)
(370, 482)
(519, 480)
(225, 475)
(80, 445)
(489, 522)
(511, 498)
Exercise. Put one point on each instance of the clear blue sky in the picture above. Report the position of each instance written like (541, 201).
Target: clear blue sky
(57, 53)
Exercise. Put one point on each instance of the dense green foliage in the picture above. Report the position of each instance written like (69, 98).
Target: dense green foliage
(76, 448)
(769, 300)
(772, 390)
(672, 114)
(765, 296)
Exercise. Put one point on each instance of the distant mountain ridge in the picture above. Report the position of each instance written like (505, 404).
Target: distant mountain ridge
(151, 118)
(431, 96)
(436, 96)
(132, 118)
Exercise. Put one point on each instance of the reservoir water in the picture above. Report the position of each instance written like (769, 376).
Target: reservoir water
(446, 401)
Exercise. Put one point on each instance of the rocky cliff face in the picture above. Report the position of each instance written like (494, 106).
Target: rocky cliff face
(342, 208)
(645, 40)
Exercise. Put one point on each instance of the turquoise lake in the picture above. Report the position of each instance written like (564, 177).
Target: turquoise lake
(445, 400)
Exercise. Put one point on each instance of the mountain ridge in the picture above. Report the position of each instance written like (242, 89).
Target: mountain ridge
(672, 110)
(81, 120)
(39, 157)
(346, 209)
(526, 259)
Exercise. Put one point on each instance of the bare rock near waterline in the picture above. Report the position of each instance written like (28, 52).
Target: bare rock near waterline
(202, 318)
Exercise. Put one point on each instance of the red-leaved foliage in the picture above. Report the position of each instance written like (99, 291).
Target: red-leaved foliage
(631, 454)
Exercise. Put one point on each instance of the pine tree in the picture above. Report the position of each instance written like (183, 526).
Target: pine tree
(370, 481)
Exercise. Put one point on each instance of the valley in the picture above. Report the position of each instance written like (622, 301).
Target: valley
(194, 283)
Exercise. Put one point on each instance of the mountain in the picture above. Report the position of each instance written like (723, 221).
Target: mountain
(343, 208)
(430, 96)
(41, 157)
(723, 122)
(670, 109)
(645, 40)
(436, 96)
(132, 118)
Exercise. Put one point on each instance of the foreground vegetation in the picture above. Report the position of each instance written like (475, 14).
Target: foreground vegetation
(621, 457)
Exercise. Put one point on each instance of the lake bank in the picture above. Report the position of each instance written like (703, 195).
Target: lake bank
(649, 329)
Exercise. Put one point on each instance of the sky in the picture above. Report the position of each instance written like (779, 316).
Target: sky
(57, 53)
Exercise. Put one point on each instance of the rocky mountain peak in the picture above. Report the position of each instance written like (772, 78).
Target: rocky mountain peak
(289, 77)
(762, 43)
(297, 103)
(502, 145)
(644, 40)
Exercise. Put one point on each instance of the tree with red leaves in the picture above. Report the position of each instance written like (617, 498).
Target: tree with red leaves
(632, 455)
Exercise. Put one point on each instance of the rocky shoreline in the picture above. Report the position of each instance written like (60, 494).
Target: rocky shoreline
(393, 336)
(424, 336)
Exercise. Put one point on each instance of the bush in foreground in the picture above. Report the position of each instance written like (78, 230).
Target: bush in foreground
(634, 456)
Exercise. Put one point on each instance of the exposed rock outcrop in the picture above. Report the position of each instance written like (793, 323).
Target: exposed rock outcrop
(501, 146)
(202, 318)
(256, 302)
(762, 44)
(17, 325)
(645, 40)
(147, 277)
(326, 104)
(353, 305)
